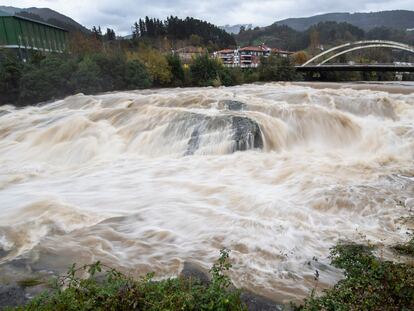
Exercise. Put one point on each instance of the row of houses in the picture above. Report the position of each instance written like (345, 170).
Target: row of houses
(247, 57)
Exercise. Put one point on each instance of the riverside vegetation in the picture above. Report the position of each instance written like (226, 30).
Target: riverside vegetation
(117, 291)
(55, 76)
(370, 283)
(96, 62)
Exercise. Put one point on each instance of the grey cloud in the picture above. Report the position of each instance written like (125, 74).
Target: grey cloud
(121, 14)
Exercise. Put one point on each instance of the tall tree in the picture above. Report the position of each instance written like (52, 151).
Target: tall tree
(110, 34)
(97, 32)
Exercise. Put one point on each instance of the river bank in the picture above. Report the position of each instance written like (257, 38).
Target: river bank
(370, 281)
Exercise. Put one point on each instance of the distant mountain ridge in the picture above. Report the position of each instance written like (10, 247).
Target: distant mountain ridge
(398, 19)
(46, 15)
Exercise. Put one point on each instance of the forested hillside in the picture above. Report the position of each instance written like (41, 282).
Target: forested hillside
(174, 28)
(324, 33)
(398, 19)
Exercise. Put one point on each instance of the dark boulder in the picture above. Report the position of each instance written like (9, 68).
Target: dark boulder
(192, 271)
(11, 296)
(194, 142)
(3, 253)
(258, 303)
(247, 134)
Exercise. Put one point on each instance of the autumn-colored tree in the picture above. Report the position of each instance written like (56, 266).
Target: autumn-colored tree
(156, 64)
(81, 44)
(300, 57)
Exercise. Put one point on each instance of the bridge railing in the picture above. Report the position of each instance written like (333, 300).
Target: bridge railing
(358, 45)
(368, 64)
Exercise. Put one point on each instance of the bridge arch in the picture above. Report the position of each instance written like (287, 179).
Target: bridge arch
(359, 45)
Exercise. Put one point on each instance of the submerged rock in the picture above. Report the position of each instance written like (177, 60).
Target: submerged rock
(246, 132)
(233, 105)
(3, 253)
(194, 142)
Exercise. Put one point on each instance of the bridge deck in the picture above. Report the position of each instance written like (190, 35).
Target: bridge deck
(346, 67)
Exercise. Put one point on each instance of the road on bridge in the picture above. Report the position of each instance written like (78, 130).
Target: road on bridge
(359, 67)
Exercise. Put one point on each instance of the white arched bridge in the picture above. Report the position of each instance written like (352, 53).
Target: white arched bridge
(321, 62)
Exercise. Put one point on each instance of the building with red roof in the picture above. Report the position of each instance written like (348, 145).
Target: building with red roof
(230, 58)
(248, 56)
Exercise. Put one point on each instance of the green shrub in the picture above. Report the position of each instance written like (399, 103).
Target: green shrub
(370, 283)
(237, 75)
(87, 78)
(136, 76)
(120, 292)
(48, 79)
(226, 77)
(56, 76)
(112, 69)
(10, 74)
(177, 70)
(205, 71)
(276, 68)
(250, 75)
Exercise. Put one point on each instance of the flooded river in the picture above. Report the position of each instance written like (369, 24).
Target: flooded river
(147, 180)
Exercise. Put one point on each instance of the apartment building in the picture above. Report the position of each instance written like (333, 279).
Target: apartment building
(250, 55)
(229, 57)
(247, 57)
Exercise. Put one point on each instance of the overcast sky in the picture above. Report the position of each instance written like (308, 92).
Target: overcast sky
(121, 14)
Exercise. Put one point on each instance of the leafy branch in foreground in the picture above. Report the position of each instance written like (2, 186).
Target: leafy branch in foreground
(120, 292)
(370, 283)
(406, 249)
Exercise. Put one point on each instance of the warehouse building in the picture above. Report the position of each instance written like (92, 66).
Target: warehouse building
(23, 35)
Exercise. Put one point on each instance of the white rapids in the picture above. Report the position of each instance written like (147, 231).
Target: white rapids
(110, 177)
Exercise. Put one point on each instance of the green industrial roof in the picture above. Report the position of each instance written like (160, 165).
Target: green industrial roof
(4, 14)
